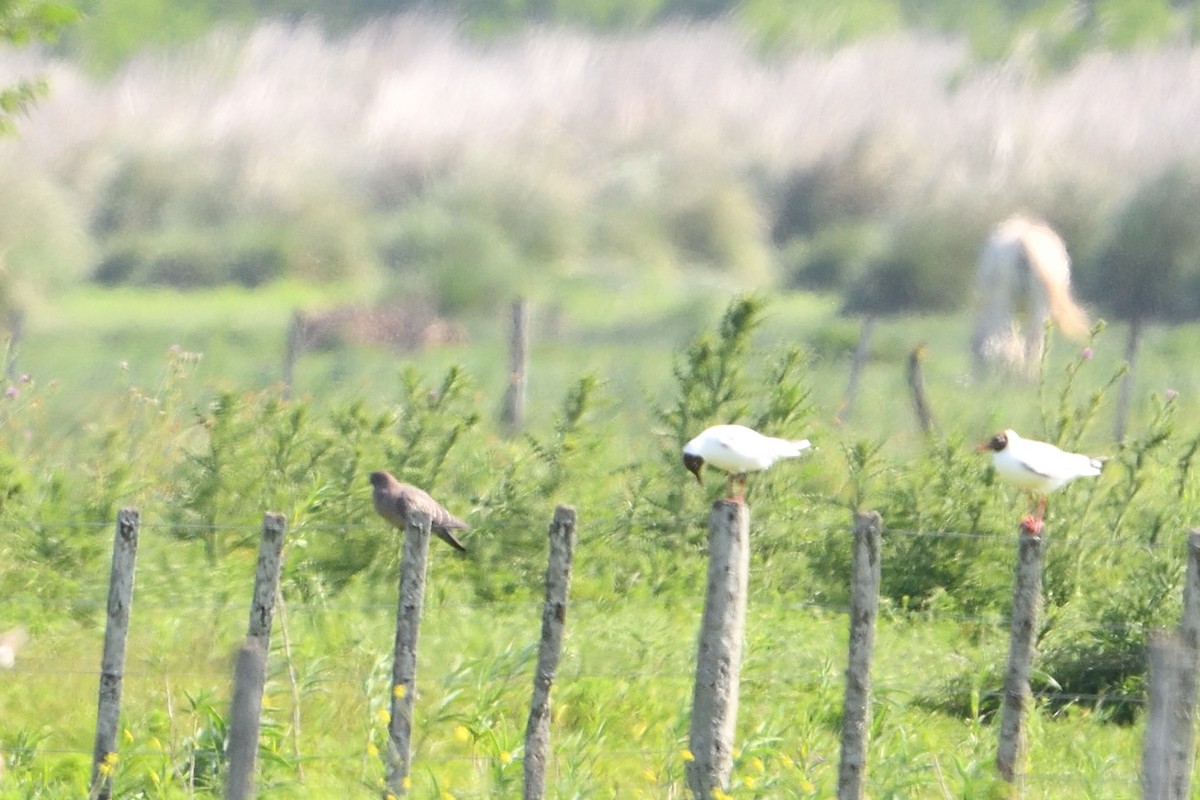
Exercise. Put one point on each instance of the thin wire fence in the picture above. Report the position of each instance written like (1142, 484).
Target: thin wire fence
(148, 667)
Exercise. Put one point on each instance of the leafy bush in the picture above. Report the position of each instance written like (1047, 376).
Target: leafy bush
(928, 266)
(1148, 266)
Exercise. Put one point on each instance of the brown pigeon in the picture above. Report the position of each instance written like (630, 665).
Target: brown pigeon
(393, 500)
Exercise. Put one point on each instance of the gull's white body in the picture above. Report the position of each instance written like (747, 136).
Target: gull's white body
(1040, 467)
(737, 449)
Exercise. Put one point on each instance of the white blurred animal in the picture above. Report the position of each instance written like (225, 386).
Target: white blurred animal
(1023, 279)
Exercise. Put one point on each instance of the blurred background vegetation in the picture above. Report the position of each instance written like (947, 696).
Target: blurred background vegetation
(501, 147)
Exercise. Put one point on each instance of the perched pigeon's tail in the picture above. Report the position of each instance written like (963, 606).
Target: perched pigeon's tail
(1098, 463)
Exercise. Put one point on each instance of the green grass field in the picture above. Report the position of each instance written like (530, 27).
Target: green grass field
(111, 417)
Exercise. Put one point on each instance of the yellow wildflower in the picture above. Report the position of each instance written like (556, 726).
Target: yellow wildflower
(462, 733)
(505, 757)
(399, 691)
(686, 755)
(757, 765)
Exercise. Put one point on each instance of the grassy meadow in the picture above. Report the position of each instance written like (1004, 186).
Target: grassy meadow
(690, 218)
(119, 413)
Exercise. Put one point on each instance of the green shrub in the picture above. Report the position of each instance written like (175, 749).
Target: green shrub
(929, 265)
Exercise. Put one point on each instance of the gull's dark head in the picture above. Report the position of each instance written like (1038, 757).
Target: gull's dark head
(996, 443)
(694, 463)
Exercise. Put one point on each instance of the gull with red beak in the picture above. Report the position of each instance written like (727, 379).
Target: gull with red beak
(738, 450)
(1038, 468)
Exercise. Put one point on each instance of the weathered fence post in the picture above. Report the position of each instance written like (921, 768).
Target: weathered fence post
(861, 353)
(1027, 595)
(916, 386)
(719, 656)
(513, 413)
(864, 602)
(1189, 623)
(1171, 709)
(266, 579)
(404, 663)
(249, 677)
(292, 349)
(112, 663)
(251, 674)
(554, 619)
(1165, 762)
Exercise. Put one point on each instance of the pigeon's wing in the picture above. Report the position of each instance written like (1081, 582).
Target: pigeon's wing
(439, 517)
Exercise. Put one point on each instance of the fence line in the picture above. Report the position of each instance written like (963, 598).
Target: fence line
(1023, 621)
(519, 678)
(662, 753)
(994, 620)
(368, 524)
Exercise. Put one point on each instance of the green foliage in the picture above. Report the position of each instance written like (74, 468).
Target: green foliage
(1147, 269)
(925, 268)
(779, 23)
(203, 462)
(42, 236)
(170, 221)
(719, 227)
(23, 22)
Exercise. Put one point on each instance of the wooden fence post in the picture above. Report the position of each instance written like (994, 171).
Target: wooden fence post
(251, 672)
(1189, 624)
(1166, 764)
(513, 413)
(1027, 595)
(404, 663)
(864, 602)
(1171, 708)
(292, 349)
(916, 387)
(112, 663)
(861, 353)
(249, 678)
(266, 579)
(554, 619)
(719, 656)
